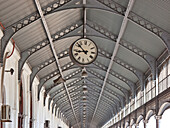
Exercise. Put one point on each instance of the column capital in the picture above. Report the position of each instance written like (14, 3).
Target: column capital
(145, 121)
(158, 117)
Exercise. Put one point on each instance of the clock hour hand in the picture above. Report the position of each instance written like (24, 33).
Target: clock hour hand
(85, 51)
(78, 51)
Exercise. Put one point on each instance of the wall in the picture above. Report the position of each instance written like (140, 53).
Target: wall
(11, 84)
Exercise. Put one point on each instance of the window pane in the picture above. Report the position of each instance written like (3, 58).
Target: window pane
(133, 126)
(164, 122)
(151, 123)
(141, 125)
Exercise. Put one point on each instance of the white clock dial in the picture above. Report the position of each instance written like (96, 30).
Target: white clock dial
(84, 51)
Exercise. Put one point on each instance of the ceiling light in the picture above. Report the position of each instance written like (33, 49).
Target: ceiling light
(84, 73)
(59, 80)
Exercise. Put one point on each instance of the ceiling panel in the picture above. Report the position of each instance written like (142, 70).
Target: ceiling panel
(155, 11)
(143, 39)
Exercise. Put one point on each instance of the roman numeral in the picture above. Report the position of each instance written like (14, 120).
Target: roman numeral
(92, 52)
(76, 54)
(80, 43)
(91, 56)
(82, 59)
(79, 58)
(85, 42)
(75, 50)
(92, 48)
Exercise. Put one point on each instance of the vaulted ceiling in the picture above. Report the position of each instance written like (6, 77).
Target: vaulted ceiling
(130, 36)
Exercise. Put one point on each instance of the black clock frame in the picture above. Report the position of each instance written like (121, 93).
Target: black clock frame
(74, 60)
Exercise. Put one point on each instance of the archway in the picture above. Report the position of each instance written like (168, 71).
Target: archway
(164, 122)
(151, 122)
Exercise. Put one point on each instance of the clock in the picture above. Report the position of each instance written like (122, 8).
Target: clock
(83, 51)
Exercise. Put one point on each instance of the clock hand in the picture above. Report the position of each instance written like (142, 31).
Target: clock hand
(85, 51)
(78, 51)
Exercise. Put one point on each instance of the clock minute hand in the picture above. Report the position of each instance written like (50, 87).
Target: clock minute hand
(78, 51)
(85, 51)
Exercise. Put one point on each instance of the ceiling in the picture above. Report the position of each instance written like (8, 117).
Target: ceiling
(129, 35)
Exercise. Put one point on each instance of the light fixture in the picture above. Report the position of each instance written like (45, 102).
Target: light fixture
(11, 71)
(59, 80)
(84, 73)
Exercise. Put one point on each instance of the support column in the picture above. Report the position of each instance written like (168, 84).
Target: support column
(145, 122)
(136, 125)
(158, 121)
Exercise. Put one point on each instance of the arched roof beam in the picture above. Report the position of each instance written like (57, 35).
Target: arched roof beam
(67, 107)
(150, 60)
(137, 72)
(107, 97)
(123, 90)
(74, 98)
(60, 97)
(49, 9)
(144, 23)
(70, 85)
(52, 75)
(90, 103)
(117, 75)
(72, 31)
(108, 90)
(103, 100)
(52, 86)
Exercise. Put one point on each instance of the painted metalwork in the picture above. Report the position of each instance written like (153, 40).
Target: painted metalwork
(150, 60)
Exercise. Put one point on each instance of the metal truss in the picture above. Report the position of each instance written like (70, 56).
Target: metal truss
(101, 111)
(149, 59)
(50, 8)
(106, 101)
(44, 64)
(111, 92)
(63, 103)
(147, 25)
(66, 107)
(117, 75)
(60, 97)
(123, 90)
(54, 74)
(107, 96)
(11, 30)
(52, 96)
(69, 31)
(69, 84)
(61, 90)
(137, 72)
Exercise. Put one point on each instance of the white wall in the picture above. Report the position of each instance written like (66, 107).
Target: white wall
(11, 83)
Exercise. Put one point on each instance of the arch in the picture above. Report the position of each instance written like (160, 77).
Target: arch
(13, 29)
(163, 107)
(132, 121)
(139, 119)
(149, 114)
(126, 124)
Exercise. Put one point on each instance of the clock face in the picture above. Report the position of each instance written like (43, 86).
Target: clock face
(83, 51)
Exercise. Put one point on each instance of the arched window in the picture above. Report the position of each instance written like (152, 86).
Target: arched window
(149, 88)
(164, 74)
(133, 126)
(164, 122)
(151, 122)
(169, 73)
(141, 124)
